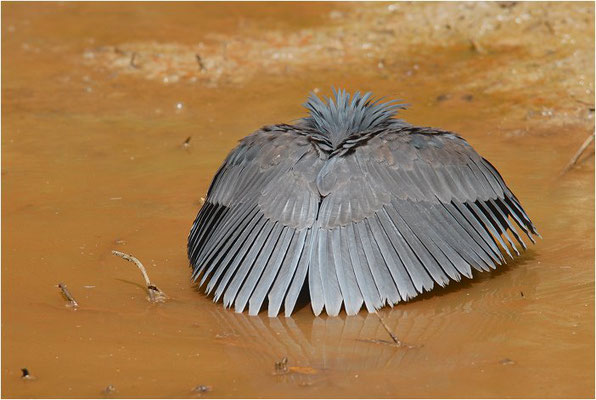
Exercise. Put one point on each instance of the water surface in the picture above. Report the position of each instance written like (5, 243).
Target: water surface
(92, 160)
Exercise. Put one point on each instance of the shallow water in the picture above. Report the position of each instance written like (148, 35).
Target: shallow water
(92, 160)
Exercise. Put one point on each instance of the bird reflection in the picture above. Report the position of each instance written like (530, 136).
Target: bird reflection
(314, 345)
(317, 347)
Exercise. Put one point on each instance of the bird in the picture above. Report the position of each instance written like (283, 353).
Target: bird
(354, 204)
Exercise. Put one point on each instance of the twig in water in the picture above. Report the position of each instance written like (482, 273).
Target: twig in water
(71, 301)
(186, 143)
(155, 294)
(393, 337)
(476, 47)
(108, 390)
(132, 60)
(550, 27)
(200, 62)
(577, 155)
(201, 389)
(281, 367)
(26, 375)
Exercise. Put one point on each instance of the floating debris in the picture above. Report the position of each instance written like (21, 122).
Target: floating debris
(201, 389)
(281, 367)
(200, 62)
(108, 390)
(26, 375)
(396, 341)
(71, 301)
(390, 343)
(578, 154)
(132, 60)
(507, 361)
(155, 294)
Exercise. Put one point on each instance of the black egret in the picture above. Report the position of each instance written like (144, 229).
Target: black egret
(359, 206)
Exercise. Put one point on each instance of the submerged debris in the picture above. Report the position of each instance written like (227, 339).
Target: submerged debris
(394, 338)
(579, 153)
(155, 294)
(281, 367)
(26, 375)
(201, 389)
(390, 343)
(108, 390)
(132, 60)
(200, 62)
(71, 301)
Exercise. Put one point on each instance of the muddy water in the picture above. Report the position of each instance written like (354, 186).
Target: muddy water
(92, 160)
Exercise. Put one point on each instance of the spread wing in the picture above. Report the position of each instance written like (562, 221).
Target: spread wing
(252, 236)
(379, 224)
(405, 212)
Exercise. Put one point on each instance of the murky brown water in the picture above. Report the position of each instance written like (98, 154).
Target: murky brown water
(92, 161)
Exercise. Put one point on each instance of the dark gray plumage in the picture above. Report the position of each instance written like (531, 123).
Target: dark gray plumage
(361, 207)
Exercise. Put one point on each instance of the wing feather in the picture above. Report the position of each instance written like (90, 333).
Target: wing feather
(345, 273)
(426, 259)
(247, 262)
(328, 270)
(413, 219)
(226, 235)
(286, 273)
(364, 278)
(273, 268)
(451, 232)
(383, 281)
(232, 248)
(259, 265)
(418, 274)
(391, 259)
(300, 275)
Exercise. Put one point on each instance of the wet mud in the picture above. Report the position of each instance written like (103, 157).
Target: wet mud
(98, 101)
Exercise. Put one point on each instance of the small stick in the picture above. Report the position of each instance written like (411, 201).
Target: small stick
(66, 293)
(201, 389)
(476, 47)
(281, 367)
(550, 27)
(393, 337)
(155, 294)
(200, 61)
(109, 390)
(132, 60)
(186, 143)
(577, 155)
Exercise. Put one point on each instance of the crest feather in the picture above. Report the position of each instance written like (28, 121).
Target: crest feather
(345, 114)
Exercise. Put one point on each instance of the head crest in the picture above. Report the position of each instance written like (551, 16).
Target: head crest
(344, 114)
